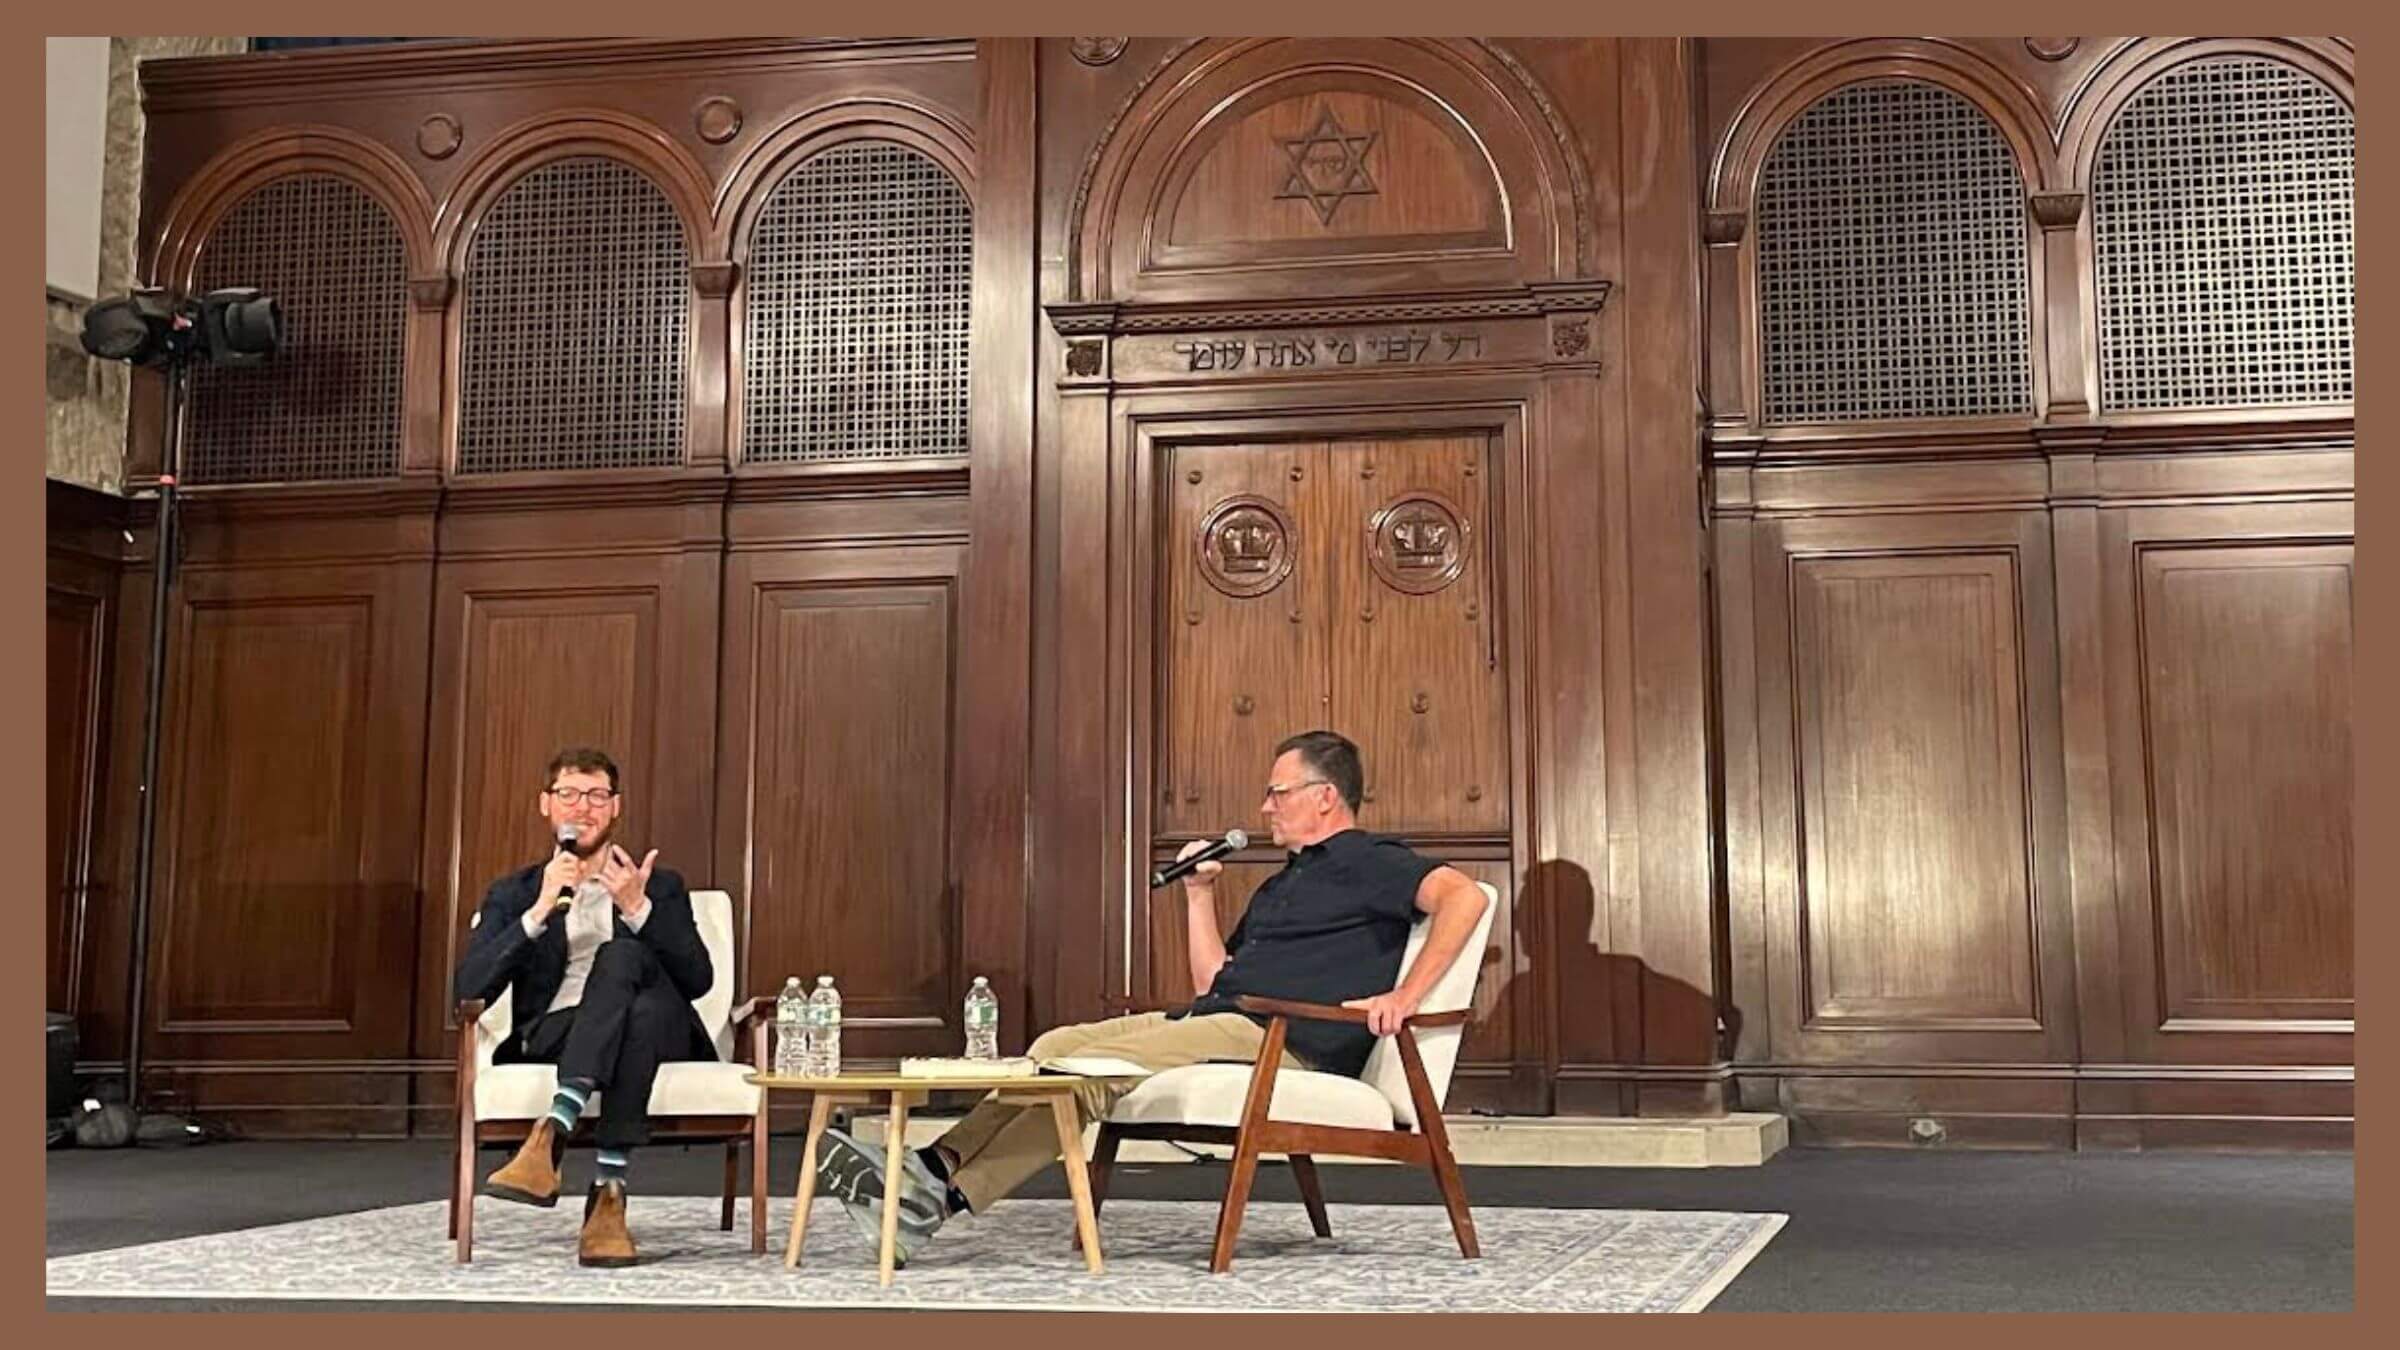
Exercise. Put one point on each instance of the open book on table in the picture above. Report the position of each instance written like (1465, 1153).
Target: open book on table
(1089, 1066)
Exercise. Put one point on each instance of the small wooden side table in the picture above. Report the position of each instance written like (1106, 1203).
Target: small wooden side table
(1056, 1091)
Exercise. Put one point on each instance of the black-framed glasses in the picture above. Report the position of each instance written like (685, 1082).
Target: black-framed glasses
(570, 796)
(1276, 794)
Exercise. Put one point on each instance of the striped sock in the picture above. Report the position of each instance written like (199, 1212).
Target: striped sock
(567, 1106)
(613, 1162)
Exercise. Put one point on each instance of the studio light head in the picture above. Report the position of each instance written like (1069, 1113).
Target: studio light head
(235, 326)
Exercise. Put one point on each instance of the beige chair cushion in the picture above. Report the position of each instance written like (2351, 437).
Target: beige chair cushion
(1213, 1094)
(697, 1088)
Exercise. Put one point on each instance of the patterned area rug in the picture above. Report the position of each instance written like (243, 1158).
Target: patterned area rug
(1382, 1258)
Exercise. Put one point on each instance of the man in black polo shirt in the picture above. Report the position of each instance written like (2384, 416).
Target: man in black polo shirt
(1331, 927)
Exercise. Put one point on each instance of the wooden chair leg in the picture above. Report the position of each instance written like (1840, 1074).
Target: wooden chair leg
(1304, 1171)
(733, 1170)
(758, 1182)
(1104, 1157)
(452, 1234)
(462, 1193)
(1246, 1148)
(1237, 1198)
(1437, 1146)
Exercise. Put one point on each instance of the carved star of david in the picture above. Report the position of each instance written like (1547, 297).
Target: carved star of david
(1328, 164)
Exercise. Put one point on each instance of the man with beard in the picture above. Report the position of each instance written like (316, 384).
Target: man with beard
(602, 960)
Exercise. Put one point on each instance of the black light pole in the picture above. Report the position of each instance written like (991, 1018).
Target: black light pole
(236, 327)
(162, 584)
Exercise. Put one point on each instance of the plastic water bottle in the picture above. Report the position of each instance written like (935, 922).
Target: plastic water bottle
(983, 1021)
(824, 1030)
(791, 1030)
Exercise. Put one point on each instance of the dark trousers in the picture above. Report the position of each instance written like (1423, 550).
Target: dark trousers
(631, 1020)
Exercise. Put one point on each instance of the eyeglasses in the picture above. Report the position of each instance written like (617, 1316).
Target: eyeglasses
(1276, 794)
(568, 796)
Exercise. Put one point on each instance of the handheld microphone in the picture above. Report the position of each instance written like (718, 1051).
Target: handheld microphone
(1233, 841)
(566, 844)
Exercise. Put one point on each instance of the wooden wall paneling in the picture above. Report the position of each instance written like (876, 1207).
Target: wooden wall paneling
(1908, 735)
(1736, 575)
(82, 562)
(839, 767)
(284, 915)
(593, 621)
(996, 584)
(1663, 553)
(2228, 635)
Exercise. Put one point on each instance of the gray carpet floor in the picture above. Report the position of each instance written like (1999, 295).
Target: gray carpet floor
(1870, 1230)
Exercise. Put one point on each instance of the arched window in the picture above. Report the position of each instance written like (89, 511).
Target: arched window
(1892, 261)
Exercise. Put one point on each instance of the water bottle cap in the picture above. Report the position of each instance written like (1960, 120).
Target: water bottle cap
(791, 983)
(824, 981)
(980, 982)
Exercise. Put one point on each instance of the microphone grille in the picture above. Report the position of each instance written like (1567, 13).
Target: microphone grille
(566, 834)
(1237, 839)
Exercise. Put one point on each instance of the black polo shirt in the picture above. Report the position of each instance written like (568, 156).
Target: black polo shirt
(1331, 926)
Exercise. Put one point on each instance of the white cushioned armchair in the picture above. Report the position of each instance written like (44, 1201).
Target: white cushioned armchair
(1392, 1110)
(498, 1103)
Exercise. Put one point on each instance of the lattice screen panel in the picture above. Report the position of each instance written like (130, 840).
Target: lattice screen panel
(855, 320)
(1892, 270)
(578, 306)
(327, 404)
(2225, 240)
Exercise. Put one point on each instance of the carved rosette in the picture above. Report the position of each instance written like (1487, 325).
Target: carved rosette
(1244, 545)
(438, 136)
(717, 120)
(1097, 51)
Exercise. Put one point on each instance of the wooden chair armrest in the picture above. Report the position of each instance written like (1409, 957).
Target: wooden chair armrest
(1327, 1012)
(754, 1010)
(1284, 1007)
(470, 1011)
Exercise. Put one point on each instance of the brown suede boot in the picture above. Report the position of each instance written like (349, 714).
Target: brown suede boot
(531, 1177)
(606, 1241)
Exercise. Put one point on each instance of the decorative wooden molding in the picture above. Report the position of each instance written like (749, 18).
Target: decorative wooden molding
(248, 78)
(1569, 148)
(170, 252)
(1091, 161)
(2000, 94)
(1079, 320)
(2057, 210)
(518, 150)
(2052, 48)
(1097, 51)
(1571, 337)
(1722, 228)
(1568, 297)
(714, 280)
(1084, 357)
(432, 292)
(1564, 151)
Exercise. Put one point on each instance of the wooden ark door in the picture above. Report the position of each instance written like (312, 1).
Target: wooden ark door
(1347, 585)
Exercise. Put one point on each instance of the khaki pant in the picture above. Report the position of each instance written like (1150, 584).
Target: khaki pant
(1002, 1145)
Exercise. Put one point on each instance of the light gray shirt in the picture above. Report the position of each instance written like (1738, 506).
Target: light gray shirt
(588, 925)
